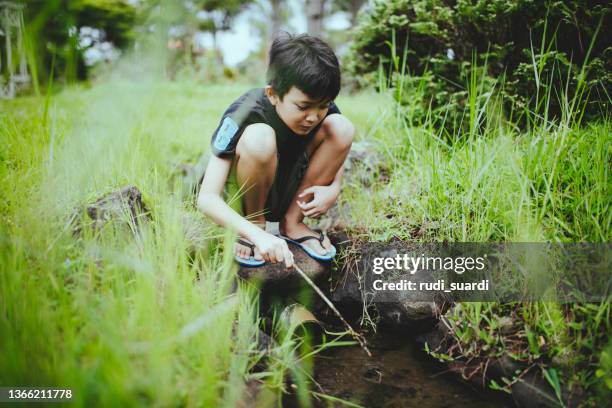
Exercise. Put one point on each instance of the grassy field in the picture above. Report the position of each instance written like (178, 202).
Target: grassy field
(127, 318)
(122, 318)
(491, 181)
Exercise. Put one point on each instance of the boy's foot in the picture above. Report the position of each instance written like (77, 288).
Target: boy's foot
(246, 248)
(301, 230)
(247, 253)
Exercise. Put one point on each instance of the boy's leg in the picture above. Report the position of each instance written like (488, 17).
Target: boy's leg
(327, 152)
(255, 171)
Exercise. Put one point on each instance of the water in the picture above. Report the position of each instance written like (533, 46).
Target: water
(399, 374)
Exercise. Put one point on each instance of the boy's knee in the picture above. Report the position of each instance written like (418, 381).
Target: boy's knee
(258, 142)
(341, 130)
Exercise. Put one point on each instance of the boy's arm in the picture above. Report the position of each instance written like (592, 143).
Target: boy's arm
(211, 203)
(324, 197)
(337, 182)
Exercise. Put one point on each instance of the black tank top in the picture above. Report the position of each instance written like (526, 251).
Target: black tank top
(255, 107)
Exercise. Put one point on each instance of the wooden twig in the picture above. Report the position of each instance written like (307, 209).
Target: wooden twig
(353, 333)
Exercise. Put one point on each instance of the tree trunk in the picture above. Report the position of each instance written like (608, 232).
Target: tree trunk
(277, 16)
(314, 15)
(216, 50)
(355, 6)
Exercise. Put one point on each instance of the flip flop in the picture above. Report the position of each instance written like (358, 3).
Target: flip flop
(311, 252)
(251, 262)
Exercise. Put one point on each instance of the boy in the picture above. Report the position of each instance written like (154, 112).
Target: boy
(285, 144)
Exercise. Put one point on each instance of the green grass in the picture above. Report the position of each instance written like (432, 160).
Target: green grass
(120, 318)
(493, 181)
(123, 318)
(129, 318)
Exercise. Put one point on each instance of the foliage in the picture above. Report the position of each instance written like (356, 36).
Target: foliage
(540, 48)
(178, 26)
(461, 170)
(491, 180)
(227, 10)
(604, 372)
(53, 27)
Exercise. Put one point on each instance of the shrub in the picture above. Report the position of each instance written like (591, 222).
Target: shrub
(539, 50)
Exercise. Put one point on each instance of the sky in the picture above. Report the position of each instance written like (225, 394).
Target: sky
(238, 43)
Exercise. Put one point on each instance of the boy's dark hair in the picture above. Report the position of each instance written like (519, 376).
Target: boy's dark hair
(306, 62)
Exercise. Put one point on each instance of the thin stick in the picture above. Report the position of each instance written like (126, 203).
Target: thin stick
(353, 333)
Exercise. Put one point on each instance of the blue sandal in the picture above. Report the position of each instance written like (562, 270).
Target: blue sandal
(251, 262)
(311, 252)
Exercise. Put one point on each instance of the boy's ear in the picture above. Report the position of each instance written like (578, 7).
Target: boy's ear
(271, 94)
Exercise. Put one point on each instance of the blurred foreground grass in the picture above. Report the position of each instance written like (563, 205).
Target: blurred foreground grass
(126, 317)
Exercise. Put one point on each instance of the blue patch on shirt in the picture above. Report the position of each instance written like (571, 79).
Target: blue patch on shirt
(225, 134)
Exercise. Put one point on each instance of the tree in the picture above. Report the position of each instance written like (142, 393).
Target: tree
(539, 48)
(181, 22)
(315, 12)
(269, 18)
(352, 6)
(278, 15)
(217, 15)
(52, 28)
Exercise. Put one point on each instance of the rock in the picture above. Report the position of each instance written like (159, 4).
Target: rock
(280, 285)
(191, 176)
(364, 161)
(530, 390)
(295, 315)
(121, 205)
(265, 343)
(405, 312)
(345, 288)
(506, 325)
(398, 308)
(344, 285)
(197, 231)
(300, 321)
(438, 340)
(277, 273)
(255, 394)
(403, 308)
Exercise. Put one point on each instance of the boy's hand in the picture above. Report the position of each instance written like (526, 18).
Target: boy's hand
(274, 249)
(323, 198)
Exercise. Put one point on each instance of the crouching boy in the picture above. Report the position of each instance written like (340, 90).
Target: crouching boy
(285, 144)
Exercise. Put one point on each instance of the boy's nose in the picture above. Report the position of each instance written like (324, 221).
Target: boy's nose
(311, 118)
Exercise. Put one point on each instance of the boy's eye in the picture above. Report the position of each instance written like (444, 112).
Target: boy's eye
(303, 108)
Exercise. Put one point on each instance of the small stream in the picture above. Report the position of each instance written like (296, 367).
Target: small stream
(399, 374)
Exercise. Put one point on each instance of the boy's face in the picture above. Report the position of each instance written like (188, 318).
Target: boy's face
(299, 112)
